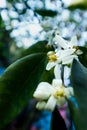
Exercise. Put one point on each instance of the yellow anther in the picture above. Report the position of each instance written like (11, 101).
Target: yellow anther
(50, 53)
(59, 93)
(51, 56)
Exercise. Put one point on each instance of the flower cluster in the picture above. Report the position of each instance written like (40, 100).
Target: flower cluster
(50, 95)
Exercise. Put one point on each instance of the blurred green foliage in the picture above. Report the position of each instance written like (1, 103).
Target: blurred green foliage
(20, 79)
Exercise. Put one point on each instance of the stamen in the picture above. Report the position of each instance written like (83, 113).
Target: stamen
(51, 56)
(59, 93)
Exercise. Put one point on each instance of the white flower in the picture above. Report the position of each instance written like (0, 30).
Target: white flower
(60, 57)
(67, 72)
(40, 105)
(60, 42)
(51, 95)
(64, 43)
(57, 71)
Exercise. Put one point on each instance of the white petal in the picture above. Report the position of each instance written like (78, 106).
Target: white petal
(79, 52)
(57, 71)
(40, 105)
(57, 83)
(60, 41)
(59, 55)
(67, 52)
(50, 65)
(73, 41)
(43, 91)
(69, 59)
(58, 52)
(51, 103)
(61, 101)
(67, 72)
(69, 92)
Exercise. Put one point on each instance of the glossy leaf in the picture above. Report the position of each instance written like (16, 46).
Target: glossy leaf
(47, 76)
(83, 57)
(17, 85)
(40, 46)
(75, 114)
(79, 82)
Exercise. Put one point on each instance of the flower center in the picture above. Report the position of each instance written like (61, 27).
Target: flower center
(51, 56)
(59, 93)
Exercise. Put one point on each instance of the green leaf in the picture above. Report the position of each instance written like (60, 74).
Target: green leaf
(79, 82)
(57, 122)
(40, 46)
(44, 12)
(83, 57)
(17, 85)
(78, 4)
(75, 114)
(47, 76)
